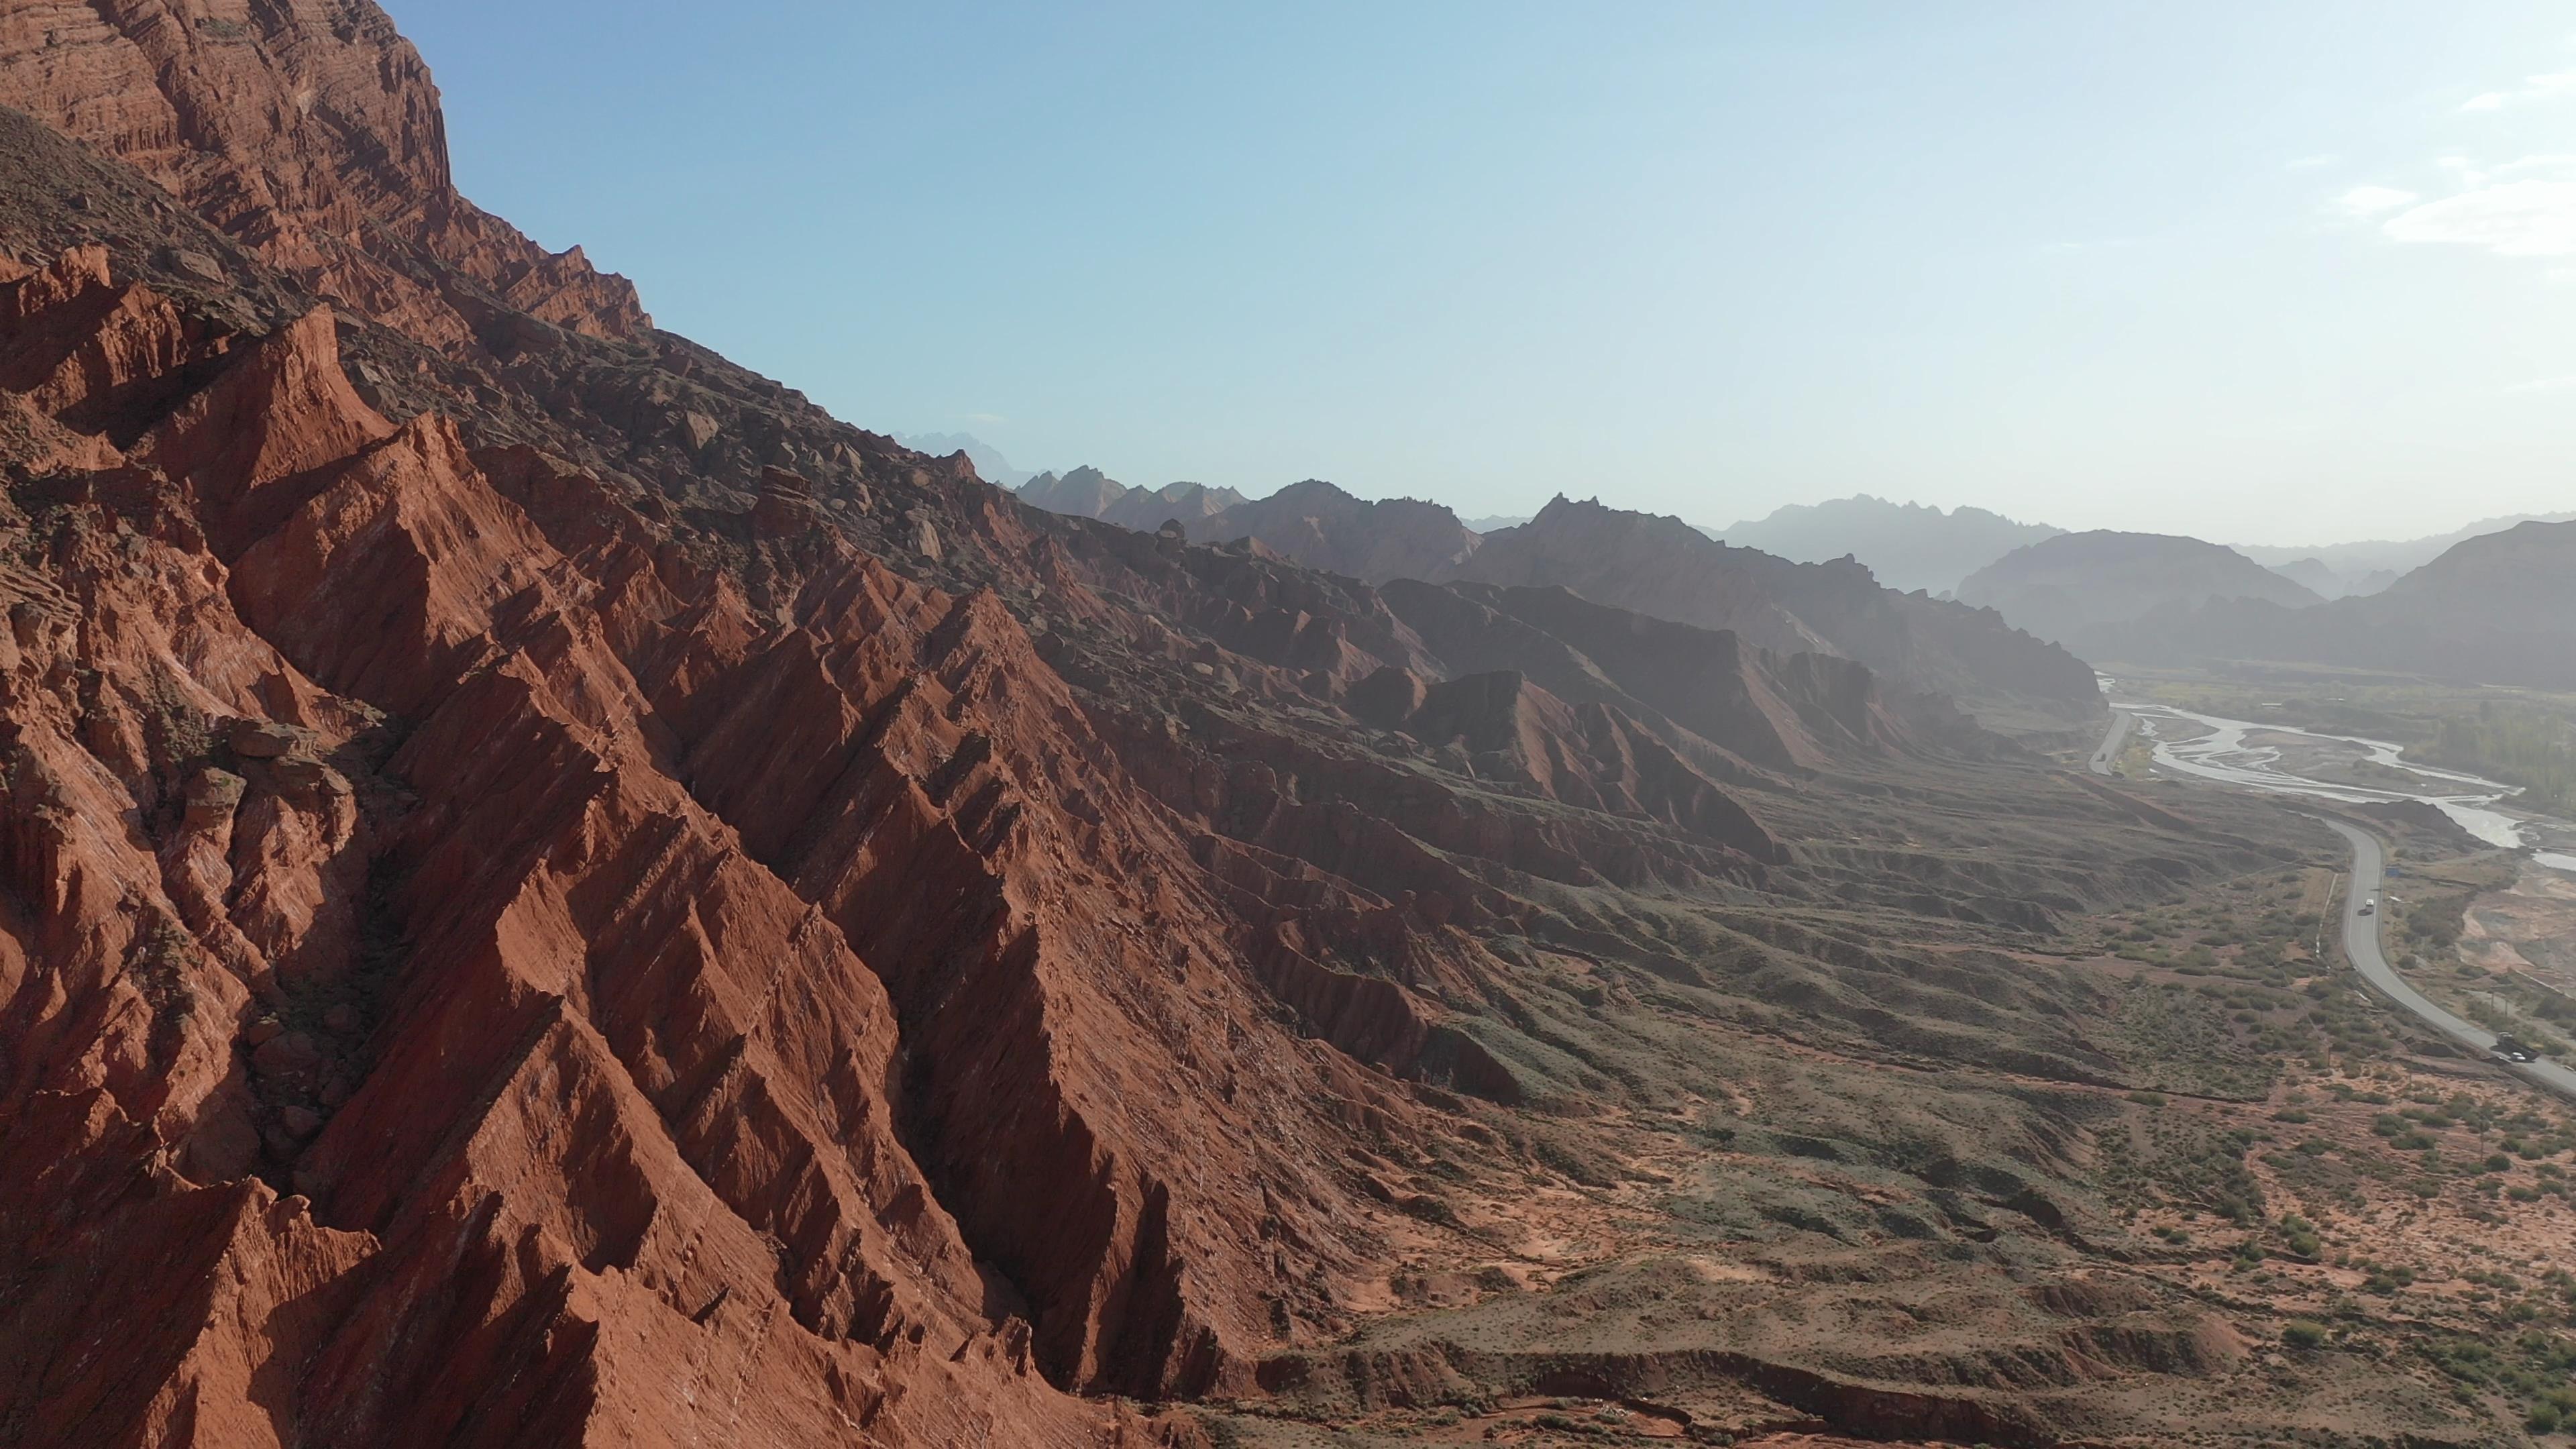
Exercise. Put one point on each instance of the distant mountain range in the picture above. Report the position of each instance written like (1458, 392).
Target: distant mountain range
(1665, 568)
(2499, 608)
(2102, 596)
(2317, 578)
(1090, 493)
(2355, 566)
(1908, 545)
(1915, 546)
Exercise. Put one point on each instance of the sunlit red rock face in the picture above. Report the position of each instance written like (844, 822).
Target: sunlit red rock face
(310, 131)
(614, 977)
(480, 1084)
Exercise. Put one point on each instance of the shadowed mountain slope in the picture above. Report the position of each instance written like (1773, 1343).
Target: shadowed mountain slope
(2064, 587)
(1663, 568)
(308, 131)
(2387, 559)
(2497, 609)
(1323, 527)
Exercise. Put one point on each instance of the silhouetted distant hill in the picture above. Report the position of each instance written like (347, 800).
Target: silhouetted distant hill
(1907, 545)
(2313, 575)
(2386, 559)
(2497, 609)
(2061, 588)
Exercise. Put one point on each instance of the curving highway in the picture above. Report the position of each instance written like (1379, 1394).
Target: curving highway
(2121, 723)
(2361, 944)
(2361, 935)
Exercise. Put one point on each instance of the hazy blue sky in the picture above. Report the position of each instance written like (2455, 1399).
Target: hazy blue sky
(2288, 272)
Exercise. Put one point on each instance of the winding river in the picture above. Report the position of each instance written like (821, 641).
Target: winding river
(2223, 750)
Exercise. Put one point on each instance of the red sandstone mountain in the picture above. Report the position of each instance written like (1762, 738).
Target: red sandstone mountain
(310, 132)
(555, 894)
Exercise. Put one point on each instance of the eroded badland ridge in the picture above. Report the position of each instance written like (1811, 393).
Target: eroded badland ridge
(555, 894)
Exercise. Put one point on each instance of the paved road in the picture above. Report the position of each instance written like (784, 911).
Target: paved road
(2121, 723)
(2361, 943)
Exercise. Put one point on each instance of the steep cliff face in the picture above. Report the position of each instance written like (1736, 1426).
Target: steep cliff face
(310, 131)
(386, 983)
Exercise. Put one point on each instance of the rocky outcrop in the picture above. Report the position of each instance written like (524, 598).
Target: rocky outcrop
(1090, 493)
(309, 131)
(446, 1029)
(1323, 527)
(465, 944)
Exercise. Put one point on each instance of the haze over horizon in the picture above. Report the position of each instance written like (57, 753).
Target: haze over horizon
(2284, 278)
